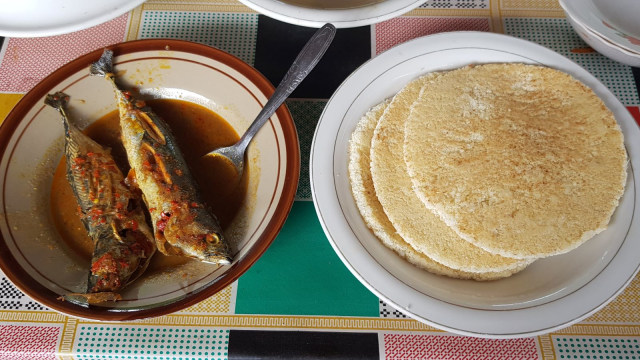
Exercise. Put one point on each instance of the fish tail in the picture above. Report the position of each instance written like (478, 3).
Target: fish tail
(104, 66)
(59, 101)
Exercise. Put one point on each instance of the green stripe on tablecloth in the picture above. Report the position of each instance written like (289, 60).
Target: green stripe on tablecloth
(300, 274)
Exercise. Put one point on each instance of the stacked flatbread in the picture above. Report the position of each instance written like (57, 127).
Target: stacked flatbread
(475, 173)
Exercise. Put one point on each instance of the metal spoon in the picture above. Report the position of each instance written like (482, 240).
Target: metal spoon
(302, 65)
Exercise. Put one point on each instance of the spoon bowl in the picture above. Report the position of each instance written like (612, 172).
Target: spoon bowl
(306, 60)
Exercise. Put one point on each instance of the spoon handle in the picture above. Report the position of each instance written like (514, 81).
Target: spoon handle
(302, 65)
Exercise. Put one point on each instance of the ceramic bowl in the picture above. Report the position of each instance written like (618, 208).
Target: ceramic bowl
(32, 253)
(614, 24)
(30, 18)
(603, 46)
(341, 13)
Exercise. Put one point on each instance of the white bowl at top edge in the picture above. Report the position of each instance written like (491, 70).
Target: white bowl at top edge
(616, 21)
(604, 46)
(340, 13)
(30, 18)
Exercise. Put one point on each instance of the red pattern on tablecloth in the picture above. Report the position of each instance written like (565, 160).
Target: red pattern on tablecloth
(395, 31)
(18, 342)
(22, 67)
(397, 346)
(635, 112)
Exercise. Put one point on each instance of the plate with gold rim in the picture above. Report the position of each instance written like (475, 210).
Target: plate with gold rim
(550, 294)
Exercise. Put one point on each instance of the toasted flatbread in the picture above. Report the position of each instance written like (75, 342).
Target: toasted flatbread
(372, 212)
(521, 160)
(416, 224)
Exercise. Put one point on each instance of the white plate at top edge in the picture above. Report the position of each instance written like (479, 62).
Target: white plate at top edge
(374, 12)
(32, 18)
(552, 293)
(605, 19)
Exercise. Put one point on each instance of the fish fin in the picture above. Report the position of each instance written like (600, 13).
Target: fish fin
(142, 266)
(131, 181)
(217, 259)
(90, 299)
(150, 126)
(104, 66)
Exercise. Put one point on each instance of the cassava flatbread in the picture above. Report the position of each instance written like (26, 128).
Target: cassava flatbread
(417, 225)
(521, 160)
(372, 212)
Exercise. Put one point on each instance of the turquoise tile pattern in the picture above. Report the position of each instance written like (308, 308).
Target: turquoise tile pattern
(558, 35)
(232, 32)
(145, 342)
(600, 348)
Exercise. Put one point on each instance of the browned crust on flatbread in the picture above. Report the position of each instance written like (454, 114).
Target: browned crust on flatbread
(417, 225)
(521, 160)
(371, 209)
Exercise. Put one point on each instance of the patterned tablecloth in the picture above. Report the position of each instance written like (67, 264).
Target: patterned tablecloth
(288, 305)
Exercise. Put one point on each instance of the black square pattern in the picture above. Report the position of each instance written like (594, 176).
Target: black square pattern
(13, 299)
(252, 344)
(279, 43)
(8, 291)
(387, 311)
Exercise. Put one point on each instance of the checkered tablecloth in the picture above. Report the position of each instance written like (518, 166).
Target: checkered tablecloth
(286, 306)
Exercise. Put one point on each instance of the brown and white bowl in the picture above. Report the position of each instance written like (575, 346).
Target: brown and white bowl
(32, 254)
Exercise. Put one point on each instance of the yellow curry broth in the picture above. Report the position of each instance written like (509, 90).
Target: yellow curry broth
(197, 131)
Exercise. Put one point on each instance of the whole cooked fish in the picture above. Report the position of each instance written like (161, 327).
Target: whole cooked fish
(111, 212)
(182, 223)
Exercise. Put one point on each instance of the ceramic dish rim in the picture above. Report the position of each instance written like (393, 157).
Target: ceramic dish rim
(340, 18)
(371, 264)
(79, 25)
(606, 33)
(21, 279)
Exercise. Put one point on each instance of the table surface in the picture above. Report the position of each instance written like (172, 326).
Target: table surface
(286, 306)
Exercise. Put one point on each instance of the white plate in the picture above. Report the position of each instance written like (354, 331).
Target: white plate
(29, 18)
(33, 255)
(604, 46)
(550, 294)
(614, 20)
(341, 13)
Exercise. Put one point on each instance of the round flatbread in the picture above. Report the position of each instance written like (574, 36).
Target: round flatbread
(372, 212)
(417, 225)
(521, 160)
